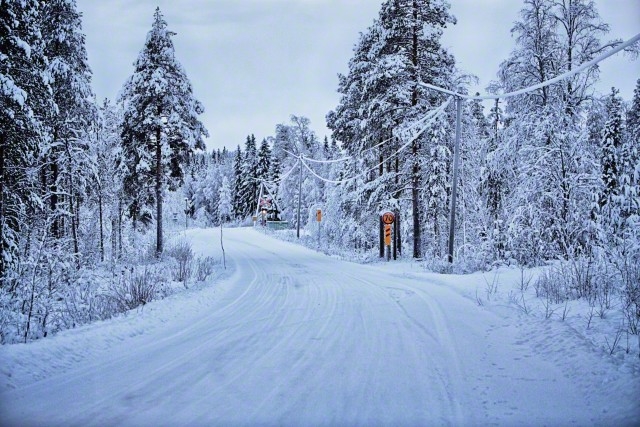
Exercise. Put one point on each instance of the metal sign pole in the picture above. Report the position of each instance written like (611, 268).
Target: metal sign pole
(381, 230)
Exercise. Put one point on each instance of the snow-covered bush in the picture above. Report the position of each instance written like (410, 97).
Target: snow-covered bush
(205, 267)
(134, 288)
(181, 252)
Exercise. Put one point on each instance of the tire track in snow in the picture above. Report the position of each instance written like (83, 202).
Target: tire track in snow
(297, 338)
(442, 336)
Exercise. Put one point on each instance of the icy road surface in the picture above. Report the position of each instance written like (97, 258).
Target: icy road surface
(296, 338)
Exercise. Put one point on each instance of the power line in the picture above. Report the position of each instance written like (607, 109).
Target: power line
(431, 117)
(343, 159)
(581, 68)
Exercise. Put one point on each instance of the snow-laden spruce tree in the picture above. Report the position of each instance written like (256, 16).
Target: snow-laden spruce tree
(161, 128)
(237, 202)
(381, 95)
(249, 185)
(611, 161)
(25, 102)
(630, 174)
(264, 161)
(70, 76)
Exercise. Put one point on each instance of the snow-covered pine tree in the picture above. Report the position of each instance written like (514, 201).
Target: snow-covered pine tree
(61, 28)
(630, 174)
(633, 116)
(611, 164)
(238, 210)
(435, 171)
(161, 128)
(264, 161)
(25, 101)
(249, 184)
(382, 94)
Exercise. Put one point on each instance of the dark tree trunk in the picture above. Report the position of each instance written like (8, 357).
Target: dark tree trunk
(415, 178)
(114, 240)
(74, 229)
(3, 245)
(417, 241)
(398, 236)
(381, 236)
(53, 200)
(158, 192)
(74, 208)
(119, 254)
(101, 224)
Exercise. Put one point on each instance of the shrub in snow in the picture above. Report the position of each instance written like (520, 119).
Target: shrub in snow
(182, 253)
(133, 289)
(205, 267)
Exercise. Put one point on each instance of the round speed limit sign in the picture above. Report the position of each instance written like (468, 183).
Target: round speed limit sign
(388, 217)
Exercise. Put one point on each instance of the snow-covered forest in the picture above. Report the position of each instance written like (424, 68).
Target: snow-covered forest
(95, 191)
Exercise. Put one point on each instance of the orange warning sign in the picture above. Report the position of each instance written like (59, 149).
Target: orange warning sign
(387, 234)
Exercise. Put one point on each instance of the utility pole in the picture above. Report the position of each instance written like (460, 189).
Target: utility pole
(454, 186)
(299, 196)
(186, 213)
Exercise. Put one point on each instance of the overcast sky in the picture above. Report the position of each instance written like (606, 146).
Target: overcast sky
(253, 63)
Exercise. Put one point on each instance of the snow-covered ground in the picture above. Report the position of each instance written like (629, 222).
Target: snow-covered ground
(293, 337)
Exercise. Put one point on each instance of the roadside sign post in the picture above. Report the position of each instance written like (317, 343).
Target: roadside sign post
(319, 220)
(387, 240)
(387, 219)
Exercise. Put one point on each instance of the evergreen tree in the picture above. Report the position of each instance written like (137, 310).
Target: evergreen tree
(382, 94)
(161, 128)
(71, 83)
(630, 172)
(25, 101)
(249, 184)
(274, 169)
(633, 117)
(630, 162)
(264, 161)
(611, 163)
(238, 208)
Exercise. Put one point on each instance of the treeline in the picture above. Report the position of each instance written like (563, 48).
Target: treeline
(81, 181)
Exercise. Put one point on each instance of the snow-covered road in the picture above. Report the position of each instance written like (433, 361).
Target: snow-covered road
(294, 337)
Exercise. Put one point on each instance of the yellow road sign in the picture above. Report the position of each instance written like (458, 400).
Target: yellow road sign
(387, 234)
